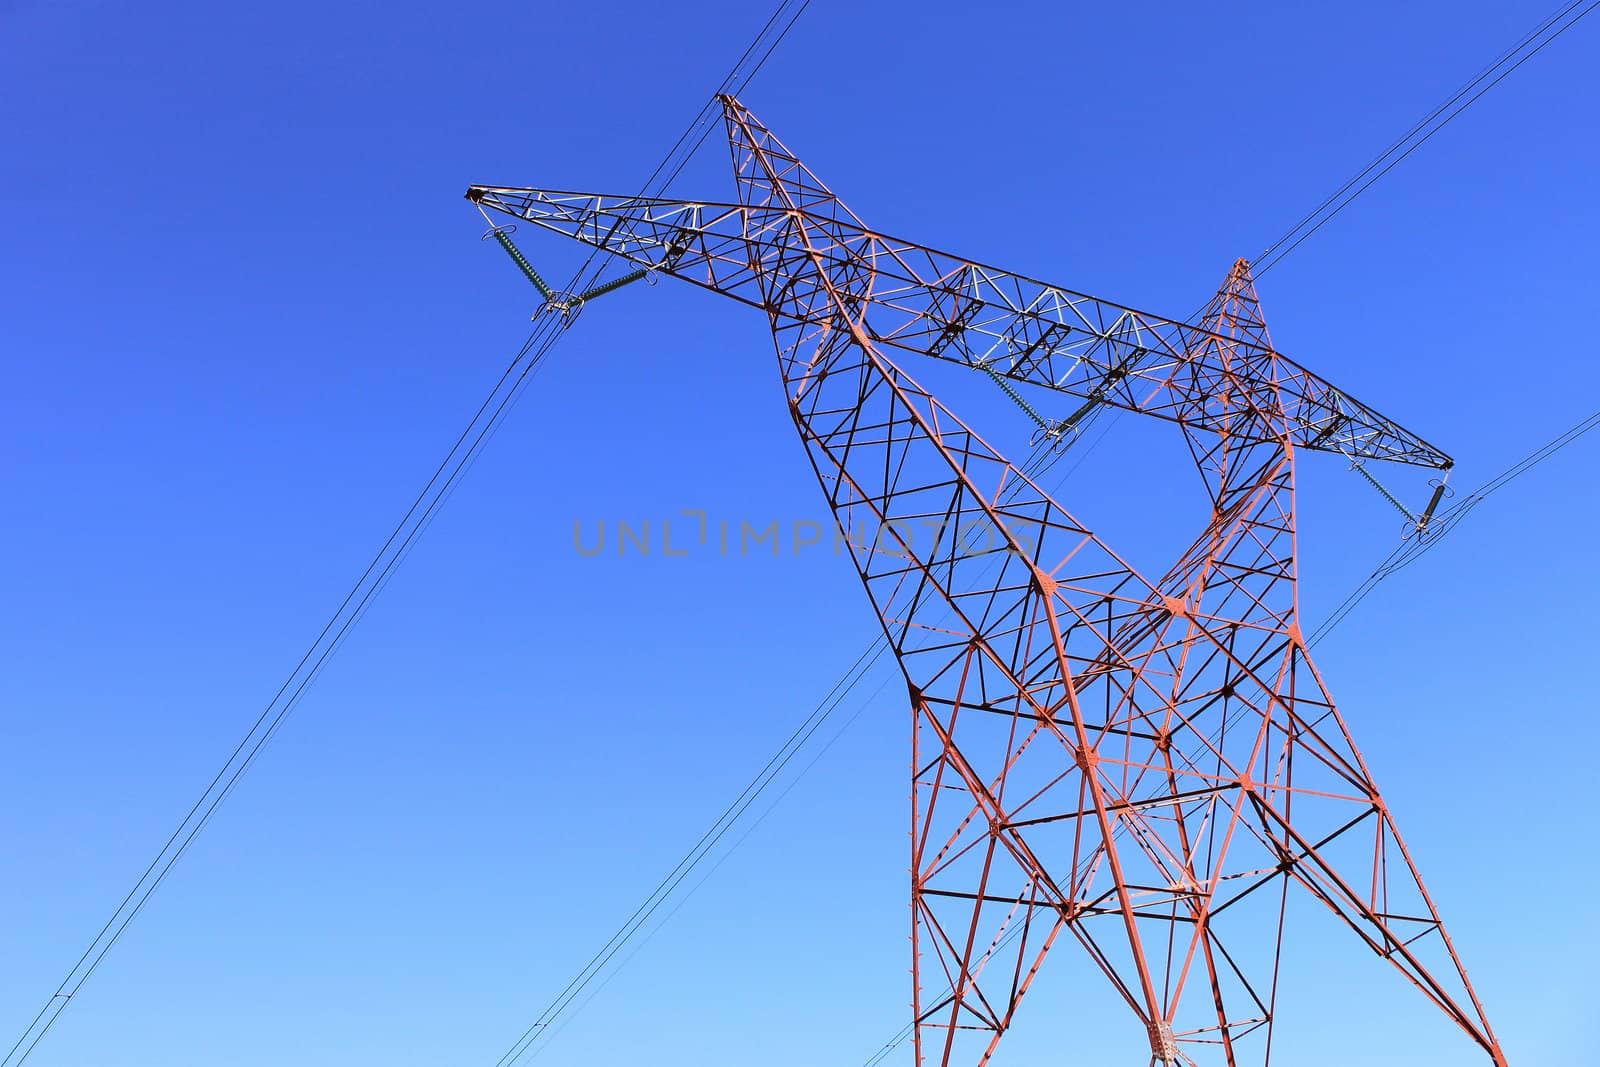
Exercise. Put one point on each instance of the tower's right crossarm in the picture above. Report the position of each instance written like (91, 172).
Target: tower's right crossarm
(927, 301)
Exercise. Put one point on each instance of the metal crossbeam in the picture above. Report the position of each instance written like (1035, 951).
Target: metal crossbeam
(941, 305)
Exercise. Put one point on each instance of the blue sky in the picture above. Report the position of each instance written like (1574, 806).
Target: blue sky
(246, 311)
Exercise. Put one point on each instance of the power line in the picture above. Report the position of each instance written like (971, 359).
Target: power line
(354, 605)
(1416, 128)
(832, 740)
(1420, 133)
(436, 491)
(1411, 549)
(733, 83)
(696, 854)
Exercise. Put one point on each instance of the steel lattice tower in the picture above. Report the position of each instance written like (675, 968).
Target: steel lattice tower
(1147, 768)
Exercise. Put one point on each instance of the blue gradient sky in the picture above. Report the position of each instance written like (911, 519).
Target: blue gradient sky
(246, 311)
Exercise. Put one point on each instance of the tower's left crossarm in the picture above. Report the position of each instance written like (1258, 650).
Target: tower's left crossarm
(931, 302)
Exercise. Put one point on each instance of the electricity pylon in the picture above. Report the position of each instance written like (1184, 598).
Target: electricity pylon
(1147, 767)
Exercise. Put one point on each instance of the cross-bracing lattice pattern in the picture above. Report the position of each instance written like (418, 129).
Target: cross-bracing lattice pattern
(1145, 769)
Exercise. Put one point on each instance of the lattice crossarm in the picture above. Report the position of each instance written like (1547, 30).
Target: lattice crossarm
(939, 305)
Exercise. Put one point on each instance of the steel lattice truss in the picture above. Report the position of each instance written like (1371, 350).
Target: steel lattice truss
(1147, 769)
